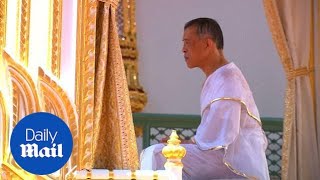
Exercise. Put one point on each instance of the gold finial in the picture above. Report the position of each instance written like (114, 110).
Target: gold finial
(173, 150)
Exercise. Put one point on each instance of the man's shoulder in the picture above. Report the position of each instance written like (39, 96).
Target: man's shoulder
(231, 76)
(229, 82)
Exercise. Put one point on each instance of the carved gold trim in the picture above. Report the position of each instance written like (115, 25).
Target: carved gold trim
(5, 125)
(24, 91)
(55, 45)
(15, 103)
(126, 24)
(23, 87)
(18, 15)
(22, 80)
(138, 100)
(6, 114)
(118, 174)
(133, 16)
(85, 68)
(3, 105)
(3, 23)
(24, 32)
(54, 97)
(129, 52)
(15, 173)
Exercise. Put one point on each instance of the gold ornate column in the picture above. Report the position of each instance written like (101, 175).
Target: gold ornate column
(54, 57)
(4, 116)
(85, 66)
(24, 31)
(3, 15)
(128, 43)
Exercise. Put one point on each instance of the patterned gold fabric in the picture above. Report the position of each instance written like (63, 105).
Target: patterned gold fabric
(114, 140)
(292, 26)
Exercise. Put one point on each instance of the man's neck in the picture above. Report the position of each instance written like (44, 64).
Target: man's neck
(212, 67)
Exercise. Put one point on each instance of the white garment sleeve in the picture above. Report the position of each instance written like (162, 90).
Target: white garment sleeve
(219, 125)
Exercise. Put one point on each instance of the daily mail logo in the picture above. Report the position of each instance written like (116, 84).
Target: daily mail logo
(32, 150)
(41, 143)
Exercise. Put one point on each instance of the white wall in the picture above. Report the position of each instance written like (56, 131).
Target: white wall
(171, 86)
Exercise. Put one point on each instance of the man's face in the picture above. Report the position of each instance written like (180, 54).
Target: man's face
(193, 47)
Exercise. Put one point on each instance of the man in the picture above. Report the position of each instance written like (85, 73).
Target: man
(229, 142)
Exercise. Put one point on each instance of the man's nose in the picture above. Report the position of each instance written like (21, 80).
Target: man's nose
(184, 50)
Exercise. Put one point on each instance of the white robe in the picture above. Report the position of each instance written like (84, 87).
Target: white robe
(230, 142)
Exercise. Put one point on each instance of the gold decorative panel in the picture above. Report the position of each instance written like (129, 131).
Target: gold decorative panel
(4, 116)
(27, 92)
(85, 68)
(23, 88)
(27, 97)
(3, 21)
(128, 43)
(25, 100)
(57, 102)
(4, 130)
(24, 26)
(55, 43)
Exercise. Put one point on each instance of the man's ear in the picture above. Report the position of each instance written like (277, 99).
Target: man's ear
(211, 43)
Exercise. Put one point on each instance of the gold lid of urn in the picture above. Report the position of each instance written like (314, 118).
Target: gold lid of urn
(173, 150)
